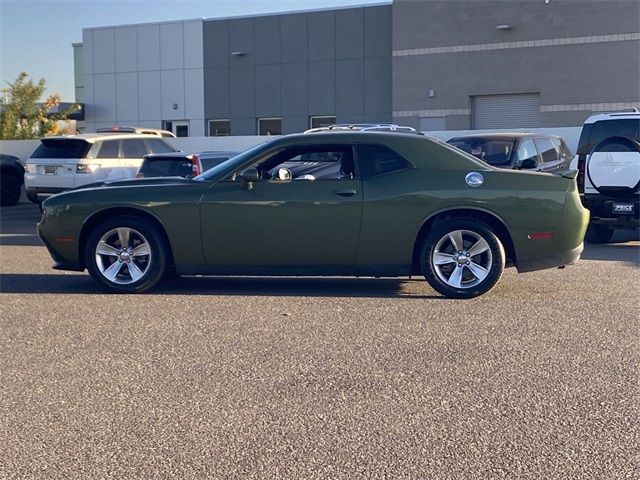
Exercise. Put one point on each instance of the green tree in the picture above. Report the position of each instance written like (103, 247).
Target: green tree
(22, 117)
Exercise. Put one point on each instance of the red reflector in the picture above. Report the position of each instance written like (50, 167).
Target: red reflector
(540, 236)
(65, 239)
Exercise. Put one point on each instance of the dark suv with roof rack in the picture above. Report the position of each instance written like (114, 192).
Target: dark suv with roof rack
(518, 150)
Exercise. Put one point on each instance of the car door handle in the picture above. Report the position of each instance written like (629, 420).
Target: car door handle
(346, 193)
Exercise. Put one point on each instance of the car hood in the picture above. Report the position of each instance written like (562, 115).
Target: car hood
(138, 182)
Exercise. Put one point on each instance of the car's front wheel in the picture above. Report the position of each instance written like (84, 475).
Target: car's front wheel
(462, 258)
(126, 254)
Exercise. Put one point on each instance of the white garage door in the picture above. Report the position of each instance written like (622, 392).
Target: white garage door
(520, 110)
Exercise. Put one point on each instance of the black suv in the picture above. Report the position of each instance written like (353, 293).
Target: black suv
(518, 150)
(11, 178)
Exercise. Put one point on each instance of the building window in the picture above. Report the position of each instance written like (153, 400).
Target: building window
(321, 121)
(269, 126)
(219, 128)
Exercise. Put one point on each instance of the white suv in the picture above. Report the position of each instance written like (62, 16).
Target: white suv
(64, 162)
(608, 161)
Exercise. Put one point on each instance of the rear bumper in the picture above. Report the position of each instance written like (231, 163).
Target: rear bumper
(601, 208)
(560, 259)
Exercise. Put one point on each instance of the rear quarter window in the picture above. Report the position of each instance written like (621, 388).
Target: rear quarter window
(156, 145)
(109, 149)
(134, 148)
(68, 148)
(377, 159)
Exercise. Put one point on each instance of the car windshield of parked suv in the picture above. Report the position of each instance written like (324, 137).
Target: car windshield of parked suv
(210, 162)
(58, 148)
(492, 151)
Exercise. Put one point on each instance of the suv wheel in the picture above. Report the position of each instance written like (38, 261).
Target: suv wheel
(599, 234)
(126, 254)
(462, 258)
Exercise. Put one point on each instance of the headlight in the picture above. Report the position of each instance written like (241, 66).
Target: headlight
(30, 168)
(87, 168)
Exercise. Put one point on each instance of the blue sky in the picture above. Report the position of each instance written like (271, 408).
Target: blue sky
(36, 35)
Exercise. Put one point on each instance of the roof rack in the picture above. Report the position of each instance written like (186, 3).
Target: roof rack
(365, 127)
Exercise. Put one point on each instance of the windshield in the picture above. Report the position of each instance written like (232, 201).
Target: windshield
(492, 151)
(228, 166)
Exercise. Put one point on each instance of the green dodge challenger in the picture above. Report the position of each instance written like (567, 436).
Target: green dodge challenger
(325, 204)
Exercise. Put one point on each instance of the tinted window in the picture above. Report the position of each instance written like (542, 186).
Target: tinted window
(61, 149)
(320, 162)
(269, 126)
(376, 160)
(133, 148)
(158, 146)
(492, 151)
(208, 163)
(166, 167)
(599, 131)
(219, 128)
(526, 150)
(109, 149)
(547, 150)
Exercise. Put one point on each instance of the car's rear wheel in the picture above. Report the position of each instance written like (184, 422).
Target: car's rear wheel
(126, 254)
(599, 234)
(9, 189)
(462, 258)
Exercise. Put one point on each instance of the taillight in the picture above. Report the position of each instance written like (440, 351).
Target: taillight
(195, 164)
(582, 160)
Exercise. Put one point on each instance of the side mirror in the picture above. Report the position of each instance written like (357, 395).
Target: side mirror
(249, 175)
(528, 164)
(284, 174)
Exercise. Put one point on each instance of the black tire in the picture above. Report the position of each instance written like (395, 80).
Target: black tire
(10, 189)
(492, 260)
(156, 262)
(599, 234)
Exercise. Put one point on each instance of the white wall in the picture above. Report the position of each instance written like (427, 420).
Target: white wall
(140, 75)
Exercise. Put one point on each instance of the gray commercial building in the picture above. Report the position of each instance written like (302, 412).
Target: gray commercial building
(434, 65)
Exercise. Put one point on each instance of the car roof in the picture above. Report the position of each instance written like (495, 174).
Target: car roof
(613, 116)
(503, 136)
(92, 137)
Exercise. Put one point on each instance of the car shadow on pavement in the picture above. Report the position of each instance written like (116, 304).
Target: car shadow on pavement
(236, 286)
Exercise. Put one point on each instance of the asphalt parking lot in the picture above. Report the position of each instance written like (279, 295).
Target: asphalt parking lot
(318, 378)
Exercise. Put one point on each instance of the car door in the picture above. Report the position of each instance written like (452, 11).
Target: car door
(549, 155)
(285, 219)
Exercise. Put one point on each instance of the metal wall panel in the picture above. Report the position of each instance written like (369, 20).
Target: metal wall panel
(126, 96)
(171, 46)
(505, 111)
(148, 47)
(103, 50)
(125, 49)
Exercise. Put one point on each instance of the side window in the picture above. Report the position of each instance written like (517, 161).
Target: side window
(156, 145)
(377, 159)
(321, 162)
(133, 148)
(547, 150)
(109, 149)
(527, 151)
